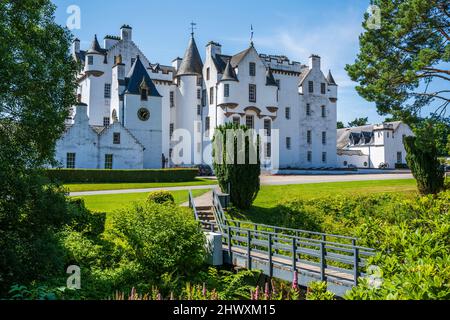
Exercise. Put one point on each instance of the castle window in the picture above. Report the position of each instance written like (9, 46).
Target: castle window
(70, 160)
(268, 150)
(171, 129)
(144, 94)
(309, 137)
(90, 60)
(172, 99)
(252, 92)
(133, 60)
(237, 120)
(199, 110)
(288, 143)
(309, 156)
(106, 121)
(107, 91)
(324, 112)
(278, 84)
(207, 124)
(399, 157)
(249, 122)
(308, 109)
(252, 69)
(311, 86)
(204, 98)
(226, 92)
(324, 137)
(116, 138)
(324, 157)
(323, 88)
(199, 82)
(108, 161)
(208, 73)
(288, 113)
(345, 163)
(268, 127)
(211, 95)
(199, 94)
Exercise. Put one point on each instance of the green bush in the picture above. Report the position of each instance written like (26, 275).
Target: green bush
(161, 197)
(160, 238)
(243, 178)
(123, 176)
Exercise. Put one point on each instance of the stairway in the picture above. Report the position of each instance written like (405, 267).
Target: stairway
(206, 214)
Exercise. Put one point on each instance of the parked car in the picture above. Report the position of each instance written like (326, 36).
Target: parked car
(204, 170)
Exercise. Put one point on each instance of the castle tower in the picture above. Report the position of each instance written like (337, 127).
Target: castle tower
(188, 106)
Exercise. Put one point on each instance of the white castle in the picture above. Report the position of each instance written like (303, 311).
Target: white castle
(132, 113)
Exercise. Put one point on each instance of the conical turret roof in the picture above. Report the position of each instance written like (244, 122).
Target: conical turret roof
(228, 73)
(270, 80)
(330, 79)
(192, 62)
(95, 46)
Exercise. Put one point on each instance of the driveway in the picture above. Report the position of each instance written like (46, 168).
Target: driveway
(265, 180)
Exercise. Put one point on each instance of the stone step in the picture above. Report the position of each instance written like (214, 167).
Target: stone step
(204, 208)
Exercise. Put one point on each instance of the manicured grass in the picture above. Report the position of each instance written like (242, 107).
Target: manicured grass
(110, 202)
(121, 186)
(270, 196)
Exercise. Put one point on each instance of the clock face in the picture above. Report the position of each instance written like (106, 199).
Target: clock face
(143, 114)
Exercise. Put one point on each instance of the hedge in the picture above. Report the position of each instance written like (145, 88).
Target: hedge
(125, 176)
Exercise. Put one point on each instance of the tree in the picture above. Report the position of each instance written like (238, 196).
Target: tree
(236, 168)
(422, 160)
(399, 61)
(37, 85)
(340, 125)
(358, 122)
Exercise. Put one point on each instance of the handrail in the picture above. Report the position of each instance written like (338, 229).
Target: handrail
(192, 205)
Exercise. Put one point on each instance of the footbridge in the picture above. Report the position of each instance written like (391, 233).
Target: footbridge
(280, 252)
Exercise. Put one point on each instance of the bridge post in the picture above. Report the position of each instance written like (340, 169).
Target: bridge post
(294, 254)
(230, 252)
(270, 256)
(249, 256)
(322, 261)
(356, 265)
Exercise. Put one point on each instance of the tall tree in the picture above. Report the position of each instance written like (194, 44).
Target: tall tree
(37, 86)
(358, 122)
(240, 167)
(340, 125)
(399, 62)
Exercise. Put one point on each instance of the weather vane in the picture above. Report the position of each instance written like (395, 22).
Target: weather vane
(251, 34)
(193, 27)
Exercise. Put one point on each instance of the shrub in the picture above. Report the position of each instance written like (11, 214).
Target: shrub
(160, 238)
(124, 176)
(243, 179)
(318, 291)
(422, 158)
(161, 197)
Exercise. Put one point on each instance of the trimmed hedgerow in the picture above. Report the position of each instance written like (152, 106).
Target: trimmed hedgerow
(111, 176)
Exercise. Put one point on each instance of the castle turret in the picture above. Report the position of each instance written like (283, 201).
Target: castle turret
(76, 46)
(188, 104)
(332, 87)
(228, 87)
(95, 58)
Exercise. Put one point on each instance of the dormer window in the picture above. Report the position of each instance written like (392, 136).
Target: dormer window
(144, 94)
(252, 69)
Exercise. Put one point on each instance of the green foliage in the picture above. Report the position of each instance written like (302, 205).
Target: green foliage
(358, 122)
(318, 291)
(161, 197)
(422, 158)
(340, 125)
(237, 168)
(398, 62)
(159, 238)
(124, 176)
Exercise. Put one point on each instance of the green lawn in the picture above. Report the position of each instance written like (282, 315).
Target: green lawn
(80, 187)
(111, 202)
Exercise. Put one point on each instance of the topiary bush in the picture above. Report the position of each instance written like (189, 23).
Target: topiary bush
(422, 158)
(234, 168)
(161, 197)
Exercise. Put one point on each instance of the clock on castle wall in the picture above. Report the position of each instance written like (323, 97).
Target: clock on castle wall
(143, 114)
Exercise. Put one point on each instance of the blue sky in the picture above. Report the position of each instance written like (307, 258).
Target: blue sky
(295, 28)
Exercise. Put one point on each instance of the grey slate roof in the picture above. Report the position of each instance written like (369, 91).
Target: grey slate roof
(137, 75)
(228, 73)
(270, 80)
(220, 61)
(237, 58)
(192, 62)
(330, 79)
(359, 135)
(95, 47)
(303, 75)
